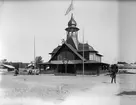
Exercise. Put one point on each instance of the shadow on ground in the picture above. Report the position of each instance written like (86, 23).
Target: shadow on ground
(129, 73)
(106, 82)
(126, 73)
(127, 93)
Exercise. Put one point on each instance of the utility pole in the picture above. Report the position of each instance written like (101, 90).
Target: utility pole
(34, 53)
(83, 51)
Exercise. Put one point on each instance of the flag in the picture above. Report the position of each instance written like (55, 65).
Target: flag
(70, 8)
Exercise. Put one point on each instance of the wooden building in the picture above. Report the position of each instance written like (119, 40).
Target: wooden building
(69, 58)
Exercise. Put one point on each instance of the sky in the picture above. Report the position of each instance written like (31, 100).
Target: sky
(127, 20)
(109, 27)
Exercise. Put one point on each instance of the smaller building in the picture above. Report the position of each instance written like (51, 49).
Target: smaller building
(8, 67)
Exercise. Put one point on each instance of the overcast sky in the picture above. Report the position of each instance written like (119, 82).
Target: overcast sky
(127, 20)
(109, 27)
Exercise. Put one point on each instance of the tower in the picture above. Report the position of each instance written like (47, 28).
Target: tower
(72, 33)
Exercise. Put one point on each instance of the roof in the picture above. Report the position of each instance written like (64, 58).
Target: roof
(75, 51)
(99, 54)
(30, 65)
(72, 22)
(74, 62)
(56, 49)
(72, 25)
(8, 66)
(72, 49)
(71, 42)
(93, 61)
(87, 47)
(44, 63)
(69, 62)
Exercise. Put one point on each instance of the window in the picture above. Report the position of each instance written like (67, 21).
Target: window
(91, 57)
(66, 54)
(98, 58)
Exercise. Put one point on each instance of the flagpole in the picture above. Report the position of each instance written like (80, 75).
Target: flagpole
(34, 52)
(83, 51)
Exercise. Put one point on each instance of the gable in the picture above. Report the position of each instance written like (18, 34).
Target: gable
(67, 47)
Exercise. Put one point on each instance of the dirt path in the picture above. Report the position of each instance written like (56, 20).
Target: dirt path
(102, 94)
(78, 90)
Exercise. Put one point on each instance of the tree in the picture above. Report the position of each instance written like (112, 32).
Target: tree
(4, 61)
(38, 60)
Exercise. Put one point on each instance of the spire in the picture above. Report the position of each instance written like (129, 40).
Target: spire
(72, 25)
(72, 33)
(72, 22)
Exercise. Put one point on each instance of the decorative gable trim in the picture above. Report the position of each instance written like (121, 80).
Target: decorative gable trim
(72, 49)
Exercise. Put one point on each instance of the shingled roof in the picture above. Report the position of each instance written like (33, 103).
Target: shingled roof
(87, 47)
(55, 50)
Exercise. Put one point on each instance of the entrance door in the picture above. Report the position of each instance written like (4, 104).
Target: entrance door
(66, 69)
(70, 69)
(61, 69)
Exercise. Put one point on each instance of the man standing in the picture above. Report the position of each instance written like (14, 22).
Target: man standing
(113, 77)
(114, 70)
(16, 72)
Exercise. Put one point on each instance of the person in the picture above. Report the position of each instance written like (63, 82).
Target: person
(114, 70)
(30, 72)
(16, 72)
(113, 76)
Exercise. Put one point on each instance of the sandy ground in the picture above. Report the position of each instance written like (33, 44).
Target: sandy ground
(67, 90)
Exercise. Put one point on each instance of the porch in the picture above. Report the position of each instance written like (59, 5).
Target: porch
(76, 67)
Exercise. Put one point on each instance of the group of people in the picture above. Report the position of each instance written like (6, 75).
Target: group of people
(29, 71)
(113, 71)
